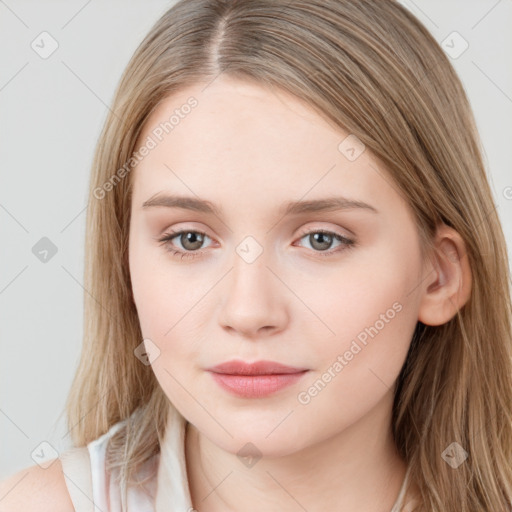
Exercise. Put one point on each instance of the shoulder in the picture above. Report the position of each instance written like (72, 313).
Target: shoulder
(35, 489)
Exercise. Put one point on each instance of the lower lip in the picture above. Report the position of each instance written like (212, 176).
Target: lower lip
(256, 386)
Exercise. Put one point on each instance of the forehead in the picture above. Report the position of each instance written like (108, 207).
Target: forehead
(241, 140)
(240, 117)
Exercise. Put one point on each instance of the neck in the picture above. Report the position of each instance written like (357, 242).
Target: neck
(357, 469)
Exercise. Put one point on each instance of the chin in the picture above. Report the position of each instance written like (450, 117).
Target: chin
(265, 437)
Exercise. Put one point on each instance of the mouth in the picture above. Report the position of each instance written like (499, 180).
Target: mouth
(237, 367)
(255, 380)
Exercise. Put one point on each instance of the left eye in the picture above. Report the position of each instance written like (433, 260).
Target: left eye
(191, 241)
(320, 238)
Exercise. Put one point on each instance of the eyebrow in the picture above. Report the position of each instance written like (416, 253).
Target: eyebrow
(290, 208)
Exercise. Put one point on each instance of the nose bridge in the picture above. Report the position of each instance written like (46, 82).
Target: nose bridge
(251, 250)
(250, 262)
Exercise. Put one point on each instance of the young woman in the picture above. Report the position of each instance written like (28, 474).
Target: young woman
(297, 282)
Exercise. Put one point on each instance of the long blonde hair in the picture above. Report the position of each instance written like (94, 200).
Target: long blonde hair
(371, 68)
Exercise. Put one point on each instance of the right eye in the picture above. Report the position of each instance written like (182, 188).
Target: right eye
(195, 240)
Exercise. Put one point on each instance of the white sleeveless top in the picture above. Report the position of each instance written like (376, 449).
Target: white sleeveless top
(92, 490)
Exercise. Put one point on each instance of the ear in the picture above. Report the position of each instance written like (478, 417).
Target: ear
(448, 286)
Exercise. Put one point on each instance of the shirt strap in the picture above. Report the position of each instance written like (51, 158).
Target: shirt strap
(76, 466)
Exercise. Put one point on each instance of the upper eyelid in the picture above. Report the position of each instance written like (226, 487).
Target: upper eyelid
(348, 232)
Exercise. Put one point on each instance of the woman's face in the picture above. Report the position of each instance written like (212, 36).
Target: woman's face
(262, 283)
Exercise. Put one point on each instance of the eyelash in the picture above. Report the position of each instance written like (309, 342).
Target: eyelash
(166, 239)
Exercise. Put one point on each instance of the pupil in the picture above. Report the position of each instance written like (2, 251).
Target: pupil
(194, 239)
(319, 238)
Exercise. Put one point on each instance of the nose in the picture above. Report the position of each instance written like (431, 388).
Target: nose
(253, 301)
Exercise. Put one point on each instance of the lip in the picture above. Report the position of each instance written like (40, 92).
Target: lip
(237, 367)
(255, 380)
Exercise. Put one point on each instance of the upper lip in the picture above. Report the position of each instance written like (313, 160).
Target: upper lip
(257, 368)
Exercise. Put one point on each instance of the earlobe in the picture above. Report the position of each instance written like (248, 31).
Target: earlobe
(448, 287)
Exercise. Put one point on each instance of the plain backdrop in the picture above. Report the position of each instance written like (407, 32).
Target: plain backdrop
(52, 111)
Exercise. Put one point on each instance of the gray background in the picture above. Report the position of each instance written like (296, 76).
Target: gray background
(52, 111)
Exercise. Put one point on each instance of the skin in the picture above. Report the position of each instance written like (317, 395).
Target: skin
(249, 150)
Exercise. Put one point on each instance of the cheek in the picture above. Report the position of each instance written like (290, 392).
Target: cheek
(373, 322)
(163, 320)
(153, 297)
(367, 311)
(168, 308)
